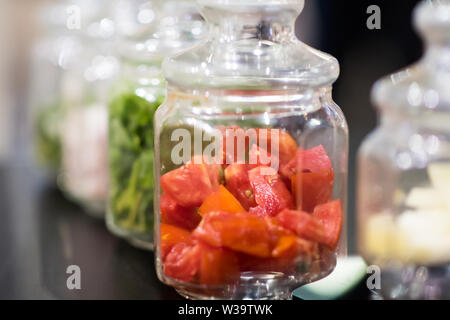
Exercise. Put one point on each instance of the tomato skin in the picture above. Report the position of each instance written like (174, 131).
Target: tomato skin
(221, 200)
(188, 185)
(258, 157)
(285, 256)
(238, 183)
(240, 232)
(331, 217)
(312, 188)
(218, 266)
(212, 169)
(302, 224)
(287, 147)
(234, 137)
(170, 236)
(173, 213)
(183, 262)
(271, 194)
(312, 160)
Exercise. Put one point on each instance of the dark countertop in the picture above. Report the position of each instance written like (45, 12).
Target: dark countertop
(42, 233)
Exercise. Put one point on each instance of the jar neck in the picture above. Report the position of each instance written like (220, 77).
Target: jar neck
(237, 101)
(437, 55)
(271, 23)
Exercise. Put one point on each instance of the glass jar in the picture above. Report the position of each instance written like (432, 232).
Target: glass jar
(404, 170)
(250, 157)
(147, 32)
(51, 55)
(85, 87)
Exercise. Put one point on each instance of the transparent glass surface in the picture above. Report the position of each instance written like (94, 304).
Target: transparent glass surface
(404, 170)
(50, 57)
(84, 88)
(147, 31)
(250, 159)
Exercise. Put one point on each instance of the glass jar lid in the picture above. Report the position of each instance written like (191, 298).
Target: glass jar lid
(251, 45)
(424, 86)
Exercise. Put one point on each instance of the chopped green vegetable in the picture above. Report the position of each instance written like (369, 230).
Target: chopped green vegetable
(131, 161)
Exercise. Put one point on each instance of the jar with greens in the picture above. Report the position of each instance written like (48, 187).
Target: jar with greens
(147, 31)
(85, 87)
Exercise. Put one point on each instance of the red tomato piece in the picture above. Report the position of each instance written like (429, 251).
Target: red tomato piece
(170, 236)
(241, 232)
(188, 185)
(173, 213)
(285, 256)
(236, 142)
(218, 266)
(313, 160)
(212, 168)
(312, 188)
(183, 262)
(258, 157)
(287, 147)
(238, 183)
(303, 225)
(331, 217)
(271, 194)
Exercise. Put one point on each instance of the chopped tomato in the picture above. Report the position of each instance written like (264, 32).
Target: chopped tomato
(330, 215)
(183, 262)
(284, 245)
(221, 200)
(285, 256)
(170, 236)
(173, 213)
(312, 188)
(258, 157)
(218, 266)
(188, 185)
(313, 160)
(271, 194)
(236, 142)
(212, 168)
(238, 183)
(287, 147)
(303, 225)
(241, 232)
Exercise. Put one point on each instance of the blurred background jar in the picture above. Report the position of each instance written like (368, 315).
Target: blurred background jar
(404, 170)
(51, 55)
(147, 32)
(85, 87)
(251, 158)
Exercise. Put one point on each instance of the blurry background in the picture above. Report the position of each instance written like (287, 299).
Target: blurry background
(334, 26)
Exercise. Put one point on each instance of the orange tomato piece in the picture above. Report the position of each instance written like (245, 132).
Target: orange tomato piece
(170, 236)
(241, 232)
(221, 200)
(285, 244)
(218, 266)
